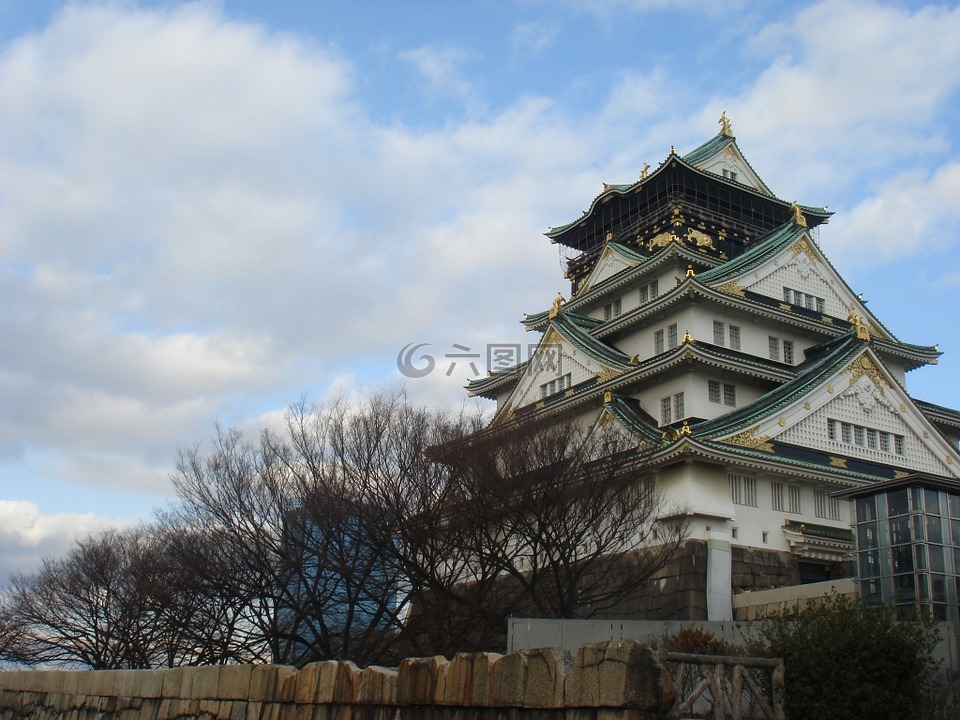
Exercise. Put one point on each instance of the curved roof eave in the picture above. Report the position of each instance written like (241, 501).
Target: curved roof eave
(610, 190)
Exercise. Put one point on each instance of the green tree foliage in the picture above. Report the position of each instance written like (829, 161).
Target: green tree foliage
(845, 659)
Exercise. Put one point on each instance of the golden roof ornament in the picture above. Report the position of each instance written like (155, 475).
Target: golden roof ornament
(690, 272)
(857, 323)
(798, 216)
(645, 171)
(558, 301)
(725, 127)
(686, 336)
(607, 397)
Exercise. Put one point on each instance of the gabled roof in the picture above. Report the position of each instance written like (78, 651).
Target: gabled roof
(717, 145)
(840, 352)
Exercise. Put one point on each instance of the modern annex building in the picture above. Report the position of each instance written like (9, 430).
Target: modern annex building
(704, 319)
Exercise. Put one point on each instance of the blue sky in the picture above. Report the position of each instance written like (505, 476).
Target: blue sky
(209, 210)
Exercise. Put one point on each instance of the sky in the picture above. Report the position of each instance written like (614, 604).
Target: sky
(212, 210)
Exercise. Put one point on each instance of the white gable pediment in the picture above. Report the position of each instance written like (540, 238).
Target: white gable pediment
(611, 261)
(556, 365)
(729, 163)
(861, 412)
(799, 275)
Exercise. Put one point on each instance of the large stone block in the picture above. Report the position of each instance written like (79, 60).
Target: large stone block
(377, 686)
(268, 683)
(619, 674)
(418, 680)
(506, 680)
(305, 689)
(205, 682)
(234, 682)
(468, 679)
(545, 673)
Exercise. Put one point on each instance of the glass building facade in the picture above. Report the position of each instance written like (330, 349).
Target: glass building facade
(907, 535)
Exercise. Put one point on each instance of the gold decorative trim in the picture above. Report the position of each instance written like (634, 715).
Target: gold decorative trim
(826, 320)
(540, 405)
(802, 246)
(838, 462)
(568, 393)
(732, 288)
(900, 474)
(700, 239)
(806, 405)
(830, 389)
(607, 374)
(750, 439)
(664, 239)
(785, 307)
(798, 216)
(782, 422)
(864, 366)
(903, 407)
(949, 459)
(607, 397)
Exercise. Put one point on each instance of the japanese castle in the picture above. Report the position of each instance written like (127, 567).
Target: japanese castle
(705, 320)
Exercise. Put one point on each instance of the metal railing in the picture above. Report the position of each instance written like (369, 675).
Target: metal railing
(718, 687)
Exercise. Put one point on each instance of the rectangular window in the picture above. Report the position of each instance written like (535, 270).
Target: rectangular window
(811, 302)
(654, 289)
(678, 412)
(898, 444)
(788, 352)
(719, 336)
(821, 306)
(617, 307)
(846, 433)
(607, 311)
(672, 335)
(743, 490)
(858, 435)
(793, 504)
(658, 342)
(776, 496)
(774, 348)
(734, 337)
(730, 395)
(884, 441)
(787, 295)
(713, 391)
(872, 439)
(825, 506)
(644, 294)
(832, 429)
(665, 411)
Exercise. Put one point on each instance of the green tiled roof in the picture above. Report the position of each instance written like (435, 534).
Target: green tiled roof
(760, 251)
(810, 374)
(573, 331)
(628, 413)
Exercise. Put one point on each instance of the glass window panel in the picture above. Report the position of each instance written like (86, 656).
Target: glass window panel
(940, 612)
(866, 509)
(870, 591)
(938, 588)
(934, 533)
(920, 553)
(867, 536)
(935, 553)
(955, 532)
(900, 530)
(931, 501)
(904, 588)
(953, 501)
(916, 495)
(869, 564)
(903, 558)
(897, 502)
(923, 591)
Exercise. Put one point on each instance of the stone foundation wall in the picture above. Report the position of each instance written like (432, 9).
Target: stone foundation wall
(618, 680)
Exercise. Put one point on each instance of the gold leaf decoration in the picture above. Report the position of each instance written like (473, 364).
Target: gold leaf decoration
(607, 374)
(838, 462)
(750, 439)
(732, 288)
(864, 366)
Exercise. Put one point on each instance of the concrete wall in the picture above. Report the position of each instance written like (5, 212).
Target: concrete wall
(612, 680)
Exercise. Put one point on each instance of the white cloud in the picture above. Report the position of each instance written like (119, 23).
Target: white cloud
(440, 68)
(27, 534)
(907, 216)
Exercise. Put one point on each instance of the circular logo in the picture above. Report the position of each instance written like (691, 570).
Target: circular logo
(405, 361)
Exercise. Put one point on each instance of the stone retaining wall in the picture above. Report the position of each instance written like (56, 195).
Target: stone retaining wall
(618, 680)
